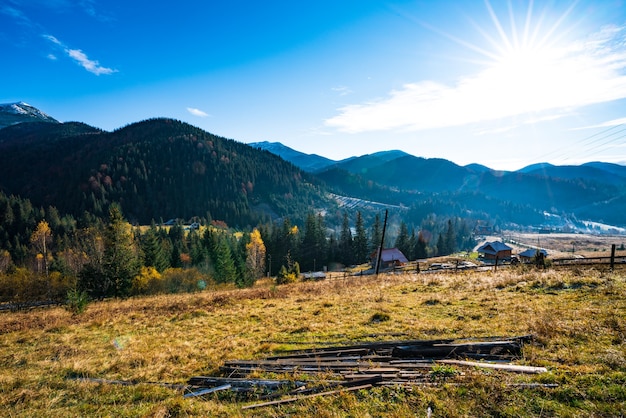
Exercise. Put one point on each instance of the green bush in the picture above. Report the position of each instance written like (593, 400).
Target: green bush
(77, 301)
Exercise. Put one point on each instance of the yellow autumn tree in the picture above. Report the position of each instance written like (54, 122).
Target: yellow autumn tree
(255, 256)
(41, 239)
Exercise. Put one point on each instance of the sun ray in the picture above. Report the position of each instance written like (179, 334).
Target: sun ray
(498, 25)
(514, 33)
(460, 41)
(527, 23)
(494, 44)
(551, 37)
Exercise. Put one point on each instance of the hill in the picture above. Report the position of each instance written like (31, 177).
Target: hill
(156, 169)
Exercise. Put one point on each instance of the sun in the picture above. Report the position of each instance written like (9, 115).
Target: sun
(530, 63)
(525, 65)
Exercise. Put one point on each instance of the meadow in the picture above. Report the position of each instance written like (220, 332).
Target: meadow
(55, 363)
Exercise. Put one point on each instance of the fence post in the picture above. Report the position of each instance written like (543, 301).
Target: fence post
(612, 256)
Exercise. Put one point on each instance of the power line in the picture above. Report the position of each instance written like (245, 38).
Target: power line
(588, 142)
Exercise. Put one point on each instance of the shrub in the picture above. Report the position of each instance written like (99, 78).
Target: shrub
(177, 280)
(77, 301)
(288, 275)
(148, 282)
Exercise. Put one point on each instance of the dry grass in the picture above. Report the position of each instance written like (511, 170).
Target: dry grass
(564, 245)
(578, 318)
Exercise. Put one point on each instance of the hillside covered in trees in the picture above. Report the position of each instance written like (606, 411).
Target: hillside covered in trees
(156, 169)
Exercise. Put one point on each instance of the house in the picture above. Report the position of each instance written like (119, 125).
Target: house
(389, 257)
(495, 250)
(529, 255)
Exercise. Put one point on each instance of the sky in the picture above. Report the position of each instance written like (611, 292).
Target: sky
(499, 83)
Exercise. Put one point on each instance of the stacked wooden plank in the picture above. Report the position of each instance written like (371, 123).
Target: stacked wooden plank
(374, 363)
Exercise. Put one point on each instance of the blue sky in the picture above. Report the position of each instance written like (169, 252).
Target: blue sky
(501, 83)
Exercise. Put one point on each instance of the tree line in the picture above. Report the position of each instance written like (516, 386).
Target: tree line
(44, 256)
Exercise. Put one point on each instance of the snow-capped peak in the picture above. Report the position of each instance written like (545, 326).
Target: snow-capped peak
(18, 112)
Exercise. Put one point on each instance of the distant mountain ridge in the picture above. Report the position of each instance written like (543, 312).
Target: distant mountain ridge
(162, 168)
(591, 190)
(19, 112)
(307, 162)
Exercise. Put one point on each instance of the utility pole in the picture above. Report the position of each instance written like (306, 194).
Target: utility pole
(382, 241)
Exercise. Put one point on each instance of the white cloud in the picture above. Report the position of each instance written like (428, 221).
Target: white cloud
(17, 15)
(609, 123)
(526, 81)
(81, 58)
(52, 57)
(53, 39)
(342, 90)
(530, 121)
(197, 112)
(90, 65)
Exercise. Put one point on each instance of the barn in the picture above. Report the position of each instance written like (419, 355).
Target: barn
(389, 257)
(495, 250)
(529, 255)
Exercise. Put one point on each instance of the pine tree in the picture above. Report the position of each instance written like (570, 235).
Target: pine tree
(175, 261)
(441, 245)
(313, 247)
(153, 251)
(120, 262)
(345, 241)
(412, 244)
(361, 252)
(402, 240)
(450, 239)
(421, 247)
(376, 234)
(225, 271)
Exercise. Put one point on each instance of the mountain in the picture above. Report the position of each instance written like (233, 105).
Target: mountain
(307, 162)
(14, 113)
(478, 168)
(156, 169)
(599, 172)
(162, 169)
(521, 197)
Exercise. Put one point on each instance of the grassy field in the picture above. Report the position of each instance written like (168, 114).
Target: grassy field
(578, 318)
(567, 245)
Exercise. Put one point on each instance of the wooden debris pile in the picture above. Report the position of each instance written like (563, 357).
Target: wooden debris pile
(360, 366)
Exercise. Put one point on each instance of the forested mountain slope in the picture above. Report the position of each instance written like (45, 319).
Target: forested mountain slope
(156, 169)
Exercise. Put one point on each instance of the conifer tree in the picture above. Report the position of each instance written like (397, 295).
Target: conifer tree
(376, 234)
(345, 241)
(361, 252)
(224, 263)
(153, 251)
(450, 239)
(421, 247)
(402, 240)
(120, 262)
(313, 247)
(441, 245)
(412, 244)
